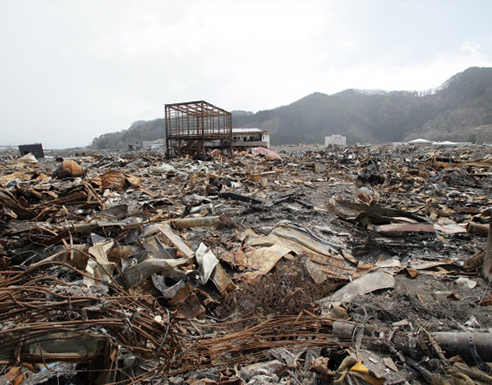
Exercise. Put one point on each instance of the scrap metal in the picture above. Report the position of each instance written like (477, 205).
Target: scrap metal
(187, 265)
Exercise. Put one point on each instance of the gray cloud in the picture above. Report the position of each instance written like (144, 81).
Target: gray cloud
(71, 71)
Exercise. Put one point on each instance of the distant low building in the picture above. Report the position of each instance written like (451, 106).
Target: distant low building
(339, 140)
(158, 144)
(244, 139)
(250, 137)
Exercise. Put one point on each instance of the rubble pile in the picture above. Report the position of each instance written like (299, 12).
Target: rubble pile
(343, 265)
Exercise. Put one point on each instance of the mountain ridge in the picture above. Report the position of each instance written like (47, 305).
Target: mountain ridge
(459, 110)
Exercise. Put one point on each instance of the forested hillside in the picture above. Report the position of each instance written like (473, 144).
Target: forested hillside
(139, 131)
(459, 110)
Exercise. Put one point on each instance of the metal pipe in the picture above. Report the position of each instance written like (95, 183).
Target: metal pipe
(185, 223)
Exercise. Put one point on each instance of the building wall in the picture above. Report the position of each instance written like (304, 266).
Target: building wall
(336, 139)
(251, 139)
(248, 136)
(153, 144)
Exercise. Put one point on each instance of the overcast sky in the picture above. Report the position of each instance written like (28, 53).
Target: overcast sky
(71, 71)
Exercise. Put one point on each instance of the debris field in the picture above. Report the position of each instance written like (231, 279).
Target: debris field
(303, 265)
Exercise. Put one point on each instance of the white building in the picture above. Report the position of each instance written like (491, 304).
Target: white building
(339, 140)
(157, 144)
(250, 137)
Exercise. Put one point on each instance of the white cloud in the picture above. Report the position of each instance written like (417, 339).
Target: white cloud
(470, 47)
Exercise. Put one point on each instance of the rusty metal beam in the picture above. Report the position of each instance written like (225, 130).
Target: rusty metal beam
(194, 123)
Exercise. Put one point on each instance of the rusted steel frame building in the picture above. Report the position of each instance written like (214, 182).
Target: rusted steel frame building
(191, 126)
